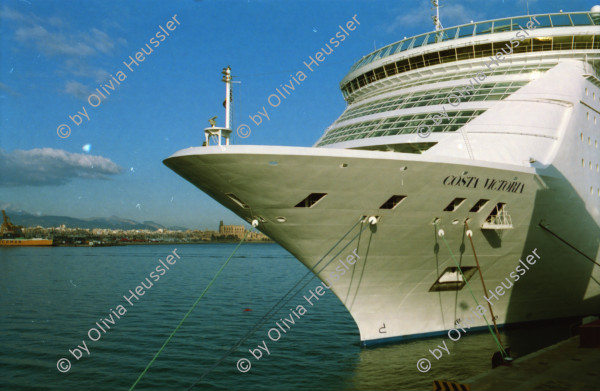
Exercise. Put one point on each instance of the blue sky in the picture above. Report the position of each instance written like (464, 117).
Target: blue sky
(54, 54)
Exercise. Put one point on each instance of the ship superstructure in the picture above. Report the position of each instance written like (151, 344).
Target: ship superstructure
(488, 128)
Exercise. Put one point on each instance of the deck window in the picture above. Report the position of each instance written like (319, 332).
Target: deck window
(449, 34)
(581, 20)
(418, 41)
(483, 28)
(466, 31)
(560, 20)
(502, 25)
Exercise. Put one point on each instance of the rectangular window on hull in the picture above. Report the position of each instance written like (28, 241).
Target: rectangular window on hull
(477, 207)
(452, 280)
(454, 204)
(392, 202)
(310, 201)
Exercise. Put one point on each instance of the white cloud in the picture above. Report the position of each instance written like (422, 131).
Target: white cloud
(79, 67)
(77, 89)
(53, 44)
(53, 38)
(455, 14)
(52, 167)
(450, 15)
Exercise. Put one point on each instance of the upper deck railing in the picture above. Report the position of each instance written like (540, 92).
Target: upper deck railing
(481, 28)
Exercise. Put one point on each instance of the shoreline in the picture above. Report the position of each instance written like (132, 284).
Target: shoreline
(151, 243)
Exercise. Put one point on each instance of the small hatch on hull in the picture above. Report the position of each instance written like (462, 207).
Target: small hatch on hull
(310, 201)
(235, 199)
(452, 280)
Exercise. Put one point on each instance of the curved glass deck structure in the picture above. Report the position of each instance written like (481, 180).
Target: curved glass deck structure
(481, 28)
(396, 90)
(566, 42)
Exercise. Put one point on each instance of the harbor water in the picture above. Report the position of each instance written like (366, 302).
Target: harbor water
(56, 303)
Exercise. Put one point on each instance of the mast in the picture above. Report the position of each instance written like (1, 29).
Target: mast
(227, 79)
(436, 18)
(215, 132)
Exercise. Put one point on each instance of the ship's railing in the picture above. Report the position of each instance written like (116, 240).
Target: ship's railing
(573, 19)
(217, 135)
(552, 43)
(498, 219)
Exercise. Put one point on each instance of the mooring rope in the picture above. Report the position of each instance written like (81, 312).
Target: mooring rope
(545, 228)
(281, 303)
(470, 235)
(189, 312)
(441, 234)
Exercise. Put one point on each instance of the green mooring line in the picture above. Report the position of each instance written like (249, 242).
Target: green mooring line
(469, 286)
(189, 312)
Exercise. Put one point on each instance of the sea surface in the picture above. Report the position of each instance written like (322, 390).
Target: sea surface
(50, 298)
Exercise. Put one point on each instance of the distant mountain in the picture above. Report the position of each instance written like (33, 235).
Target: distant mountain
(30, 220)
(177, 228)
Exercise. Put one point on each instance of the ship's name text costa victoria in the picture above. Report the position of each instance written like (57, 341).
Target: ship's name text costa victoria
(473, 182)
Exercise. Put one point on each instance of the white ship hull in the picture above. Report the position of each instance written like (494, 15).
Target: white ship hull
(387, 291)
(521, 133)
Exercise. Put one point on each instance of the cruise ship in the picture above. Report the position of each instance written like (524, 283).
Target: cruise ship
(472, 145)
